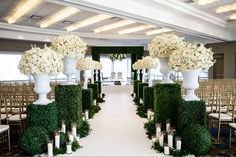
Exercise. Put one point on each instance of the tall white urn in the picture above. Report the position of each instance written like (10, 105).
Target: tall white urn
(69, 69)
(164, 69)
(138, 74)
(42, 88)
(190, 83)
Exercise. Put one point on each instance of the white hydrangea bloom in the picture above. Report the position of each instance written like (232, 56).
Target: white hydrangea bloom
(41, 61)
(85, 64)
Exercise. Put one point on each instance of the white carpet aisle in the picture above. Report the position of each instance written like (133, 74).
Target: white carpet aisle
(117, 130)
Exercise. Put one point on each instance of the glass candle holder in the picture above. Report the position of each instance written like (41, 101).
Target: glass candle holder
(170, 139)
(50, 149)
(161, 139)
(154, 139)
(68, 148)
(166, 149)
(74, 129)
(63, 126)
(71, 137)
(158, 130)
(167, 125)
(178, 143)
(57, 140)
(86, 114)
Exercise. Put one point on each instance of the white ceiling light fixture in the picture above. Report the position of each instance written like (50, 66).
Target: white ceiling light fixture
(87, 22)
(136, 29)
(158, 31)
(232, 16)
(113, 26)
(22, 8)
(226, 8)
(205, 2)
(58, 16)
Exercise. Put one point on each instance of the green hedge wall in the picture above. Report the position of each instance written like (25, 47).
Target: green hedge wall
(69, 99)
(191, 112)
(95, 88)
(87, 99)
(148, 99)
(45, 116)
(167, 98)
(99, 86)
(135, 86)
(140, 89)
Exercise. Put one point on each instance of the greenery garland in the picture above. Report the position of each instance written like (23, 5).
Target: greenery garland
(116, 56)
(150, 128)
(84, 129)
(141, 111)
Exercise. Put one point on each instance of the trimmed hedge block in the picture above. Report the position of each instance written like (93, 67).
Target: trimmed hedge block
(99, 86)
(34, 140)
(167, 99)
(45, 116)
(69, 99)
(140, 89)
(95, 90)
(196, 139)
(148, 99)
(87, 99)
(191, 112)
(135, 86)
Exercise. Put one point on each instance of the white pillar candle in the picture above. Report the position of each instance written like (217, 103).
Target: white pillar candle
(167, 125)
(74, 129)
(77, 138)
(154, 139)
(152, 118)
(63, 127)
(57, 140)
(143, 78)
(166, 150)
(84, 118)
(86, 114)
(178, 143)
(68, 148)
(161, 139)
(170, 140)
(71, 137)
(158, 130)
(148, 114)
(50, 149)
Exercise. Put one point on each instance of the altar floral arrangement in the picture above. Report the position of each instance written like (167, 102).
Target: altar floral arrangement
(117, 56)
(69, 45)
(97, 65)
(85, 64)
(163, 45)
(191, 57)
(41, 61)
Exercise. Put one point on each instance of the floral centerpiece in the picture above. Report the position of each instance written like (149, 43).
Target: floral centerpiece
(190, 59)
(149, 63)
(72, 47)
(117, 56)
(41, 63)
(161, 47)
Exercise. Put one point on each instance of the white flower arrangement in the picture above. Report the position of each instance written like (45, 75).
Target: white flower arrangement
(69, 45)
(163, 45)
(191, 57)
(149, 63)
(117, 56)
(137, 65)
(41, 61)
(85, 64)
(97, 65)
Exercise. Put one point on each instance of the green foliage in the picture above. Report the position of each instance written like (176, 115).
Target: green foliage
(196, 139)
(191, 112)
(99, 86)
(69, 99)
(63, 139)
(34, 140)
(156, 146)
(148, 99)
(150, 128)
(43, 115)
(140, 89)
(75, 145)
(141, 111)
(135, 86)
(95, 109)
(87, 99)
(84, 129)
(61, 150)
(167, 99)
(95, 90)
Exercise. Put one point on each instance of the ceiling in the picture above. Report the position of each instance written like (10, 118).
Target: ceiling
(158, 13)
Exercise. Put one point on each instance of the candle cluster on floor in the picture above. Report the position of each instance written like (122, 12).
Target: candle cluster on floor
(166, 141)
(72, 137)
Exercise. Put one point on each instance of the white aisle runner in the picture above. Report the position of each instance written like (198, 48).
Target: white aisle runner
(116, 129)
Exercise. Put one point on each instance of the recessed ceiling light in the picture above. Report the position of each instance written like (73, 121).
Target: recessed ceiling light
(67, 22)
(23, 7)
(136, 29)
(205, 2)
(58, 16)
(35, 17)
(113, 26)
(158, 31)
(226, 8)
(87, 22)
